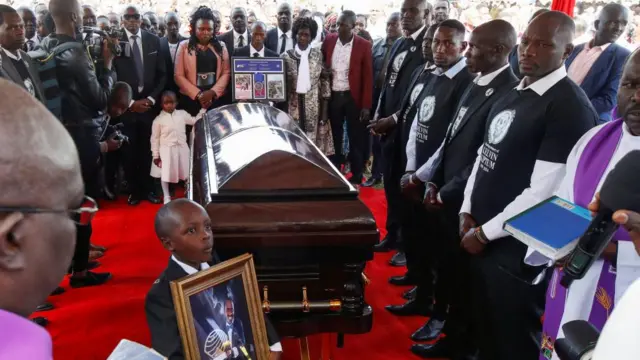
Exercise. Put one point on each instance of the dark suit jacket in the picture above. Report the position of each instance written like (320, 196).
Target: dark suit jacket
(360, 68)
(513, 61)
(461, 150)
(244, 52)
(602, 80)
(155, 68)
(169, 65)
(227, 39)
(271, 41)
(161, 316)
(12, 74)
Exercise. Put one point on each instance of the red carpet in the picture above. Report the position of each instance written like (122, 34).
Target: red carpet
(88, 323)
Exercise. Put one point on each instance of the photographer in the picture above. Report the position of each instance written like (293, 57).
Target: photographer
(83, 95)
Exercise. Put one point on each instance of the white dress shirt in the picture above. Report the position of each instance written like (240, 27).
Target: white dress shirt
(277, 347)
(340, 64)
(253, 51)
(236, 39)
(289, 39)
(545, 178)
(138, 40)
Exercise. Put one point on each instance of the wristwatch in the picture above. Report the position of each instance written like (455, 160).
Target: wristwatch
(480, 235)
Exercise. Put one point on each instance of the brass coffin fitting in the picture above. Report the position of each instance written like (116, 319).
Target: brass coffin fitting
(305, 301)
(266, 304)
(306, 306)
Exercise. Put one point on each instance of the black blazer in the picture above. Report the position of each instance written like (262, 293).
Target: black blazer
(244, 52)
(271, 41)
(162, 320)
(11, 73)
(461, 150)
(227, 39)
(169, 64)
(155, 68)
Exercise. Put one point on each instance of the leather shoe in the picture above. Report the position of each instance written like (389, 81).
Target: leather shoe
(430, 331)
(372, 181)
(42, 321)
(133, 200)
(402, 280)
(385, 245)
(443, 348)
(410, 308)
(410, 294)
(57, 291)
(153, 199)
(399, 259)
(44, 307)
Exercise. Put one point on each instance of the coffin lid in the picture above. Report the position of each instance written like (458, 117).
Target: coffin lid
(254, 148)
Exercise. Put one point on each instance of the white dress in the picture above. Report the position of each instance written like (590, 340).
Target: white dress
(169, 144)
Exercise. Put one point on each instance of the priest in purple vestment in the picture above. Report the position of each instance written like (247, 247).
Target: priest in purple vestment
(41, 187)
(592, 158)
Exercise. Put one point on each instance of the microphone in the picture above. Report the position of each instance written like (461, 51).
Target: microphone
(620, 191)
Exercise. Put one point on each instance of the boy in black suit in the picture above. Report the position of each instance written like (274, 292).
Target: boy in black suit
(256, 48)
(184, 228)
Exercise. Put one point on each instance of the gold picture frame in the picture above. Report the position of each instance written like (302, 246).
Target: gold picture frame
(203, 285)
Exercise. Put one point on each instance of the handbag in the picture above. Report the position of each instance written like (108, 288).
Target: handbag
(206, 79)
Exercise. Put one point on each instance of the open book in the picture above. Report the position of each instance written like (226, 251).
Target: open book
(130, 350)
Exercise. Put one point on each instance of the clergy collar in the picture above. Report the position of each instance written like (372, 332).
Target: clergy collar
(543, 85)
(12, 55)
(288, 33)
(130, 34)
(484, 80)
(236, 34)
(454, 70)
(187, 268)
(253, 51)
(415, 35)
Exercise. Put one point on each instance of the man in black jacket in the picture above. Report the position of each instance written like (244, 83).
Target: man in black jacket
(256, 48)
(83, 96)
(169, 47)
(280, 38)
(144, 69)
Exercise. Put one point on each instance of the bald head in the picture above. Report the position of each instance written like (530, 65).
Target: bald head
(538, 12)
(545, 44)
(559, 23)
(611, 23)
(67, 15)
(498, 32)
(489, 46)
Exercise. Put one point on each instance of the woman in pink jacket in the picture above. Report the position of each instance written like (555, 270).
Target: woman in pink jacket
(202, 69)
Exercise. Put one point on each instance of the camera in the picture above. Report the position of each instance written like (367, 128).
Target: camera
(93, 41)
(115, 132)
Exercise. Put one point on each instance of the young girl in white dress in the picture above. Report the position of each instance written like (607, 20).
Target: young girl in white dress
(169, 146)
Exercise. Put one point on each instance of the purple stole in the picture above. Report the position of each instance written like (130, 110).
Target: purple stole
(592, 165)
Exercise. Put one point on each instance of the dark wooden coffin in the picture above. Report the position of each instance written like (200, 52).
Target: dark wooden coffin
(269, 191)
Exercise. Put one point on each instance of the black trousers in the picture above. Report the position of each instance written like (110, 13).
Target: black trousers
(137, 152)
(341, 107)
(373, 144)
(507, 310)
(419, 230)
(393, 196)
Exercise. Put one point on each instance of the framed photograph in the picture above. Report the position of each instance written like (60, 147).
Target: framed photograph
(243, 86)
(275, 87)
(219, 312)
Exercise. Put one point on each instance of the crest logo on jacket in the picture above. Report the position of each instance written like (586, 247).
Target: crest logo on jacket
(456, 123)
(397, 62)
(500, 126)
(415, 92)
(427, 108)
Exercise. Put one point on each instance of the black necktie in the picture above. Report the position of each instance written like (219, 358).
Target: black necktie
(240, 41)
(256, 55)
(28, 46)
(283, 47)
(137, 59)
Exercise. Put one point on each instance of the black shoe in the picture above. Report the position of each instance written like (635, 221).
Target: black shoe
(410, 308)
(385, 245)
(92, 279)
(430, 331)
(372, 181)
(153, 199)
(410, 294)
(442, 348)
(399, 259)
(42, 321)
(44, 307)
(57, 291)
(133, 200)
(402, 280)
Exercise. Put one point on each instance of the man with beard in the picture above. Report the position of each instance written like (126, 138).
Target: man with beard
(529, 134)
(280, 38)
(169, 47)
(381, 53)
(405, 57)
(441, 11)
(145, 72)
(597, 65)
(29, 19)
(487, 55)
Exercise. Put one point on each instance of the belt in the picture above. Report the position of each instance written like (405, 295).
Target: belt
(341, 93)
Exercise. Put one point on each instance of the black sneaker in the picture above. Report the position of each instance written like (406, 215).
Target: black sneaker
(42, 321)
(91, 279)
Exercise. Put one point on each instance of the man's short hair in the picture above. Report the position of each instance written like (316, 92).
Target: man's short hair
(454, 25)
(5, 9)
(350, 15)
(259, 23)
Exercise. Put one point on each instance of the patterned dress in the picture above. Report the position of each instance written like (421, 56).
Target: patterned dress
(305, 108)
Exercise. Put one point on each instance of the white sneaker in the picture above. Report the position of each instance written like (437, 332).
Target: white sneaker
(167, 199)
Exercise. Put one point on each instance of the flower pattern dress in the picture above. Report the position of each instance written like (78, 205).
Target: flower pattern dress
(305, 108)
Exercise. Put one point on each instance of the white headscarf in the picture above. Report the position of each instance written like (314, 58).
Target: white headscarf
(304, 76)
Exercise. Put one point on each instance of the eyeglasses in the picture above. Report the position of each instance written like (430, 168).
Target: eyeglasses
(81, 215)
(131, 17)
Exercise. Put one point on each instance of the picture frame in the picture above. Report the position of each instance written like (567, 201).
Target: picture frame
(258, 79)
(229, 317)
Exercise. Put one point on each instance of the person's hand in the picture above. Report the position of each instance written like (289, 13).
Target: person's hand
(471, 244)
(324, 114)
(365, 115)
(631, 222)
(381, 126)
(107, 54)
(141, 106)
(410, 188)
(430, 200)
(275, 355)
(157, 162)
(206, 98)
(594, 206)
(113, 144)
(467, 222)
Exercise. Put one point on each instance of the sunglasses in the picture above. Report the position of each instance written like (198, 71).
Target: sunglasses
(132, 17)
(81, 215)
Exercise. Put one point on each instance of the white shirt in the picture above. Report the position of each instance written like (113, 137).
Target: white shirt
(173, 50)
(411, 143)
(484, 80)
(138, 41)
(236, 39)
(289, 40)
(252, 51)
(414, 36)
(340, 64)
(277, 347)
(545, 178)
